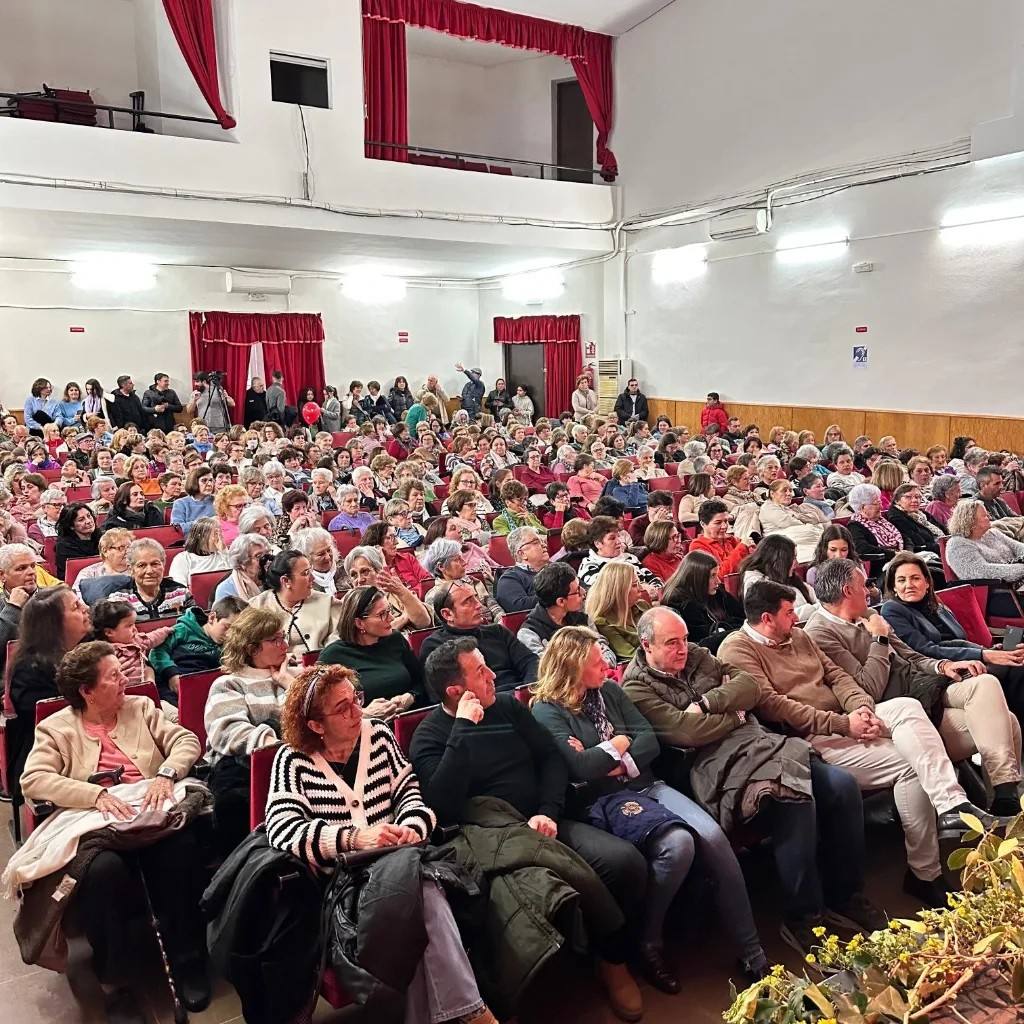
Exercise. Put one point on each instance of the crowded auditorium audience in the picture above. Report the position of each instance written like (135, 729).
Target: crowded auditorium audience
(456, 613)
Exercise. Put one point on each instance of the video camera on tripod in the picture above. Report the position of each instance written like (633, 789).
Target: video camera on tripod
(213, 379)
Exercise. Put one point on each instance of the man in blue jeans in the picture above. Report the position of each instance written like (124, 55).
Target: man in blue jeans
(743, 772)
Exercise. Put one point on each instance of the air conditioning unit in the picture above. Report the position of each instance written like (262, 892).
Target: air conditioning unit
(741, 224)
(612, 376)
(261, 284)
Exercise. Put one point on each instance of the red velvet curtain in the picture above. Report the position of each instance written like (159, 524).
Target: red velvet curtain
(563, 354)
(589, 52)
(385, 89)
(526, 330)
(563, 364)
(292, 343)
(191, 22)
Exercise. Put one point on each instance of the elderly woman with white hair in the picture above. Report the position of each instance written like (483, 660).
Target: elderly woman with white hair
(978, 552)
(350, 516)
(444, 561)
(257, 519)
(246, 555)
(329, 576)
(151, 594)
(945, 495)
(811, 453)
(322, 495)
(104, 490)
(876, 538)
(767, 470)
(365, 483)
(691, 451)
(51, 504)
(646, 467)
(365, 567)
(274, 475)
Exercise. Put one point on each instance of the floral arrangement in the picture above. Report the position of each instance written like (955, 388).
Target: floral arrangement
(961, 963)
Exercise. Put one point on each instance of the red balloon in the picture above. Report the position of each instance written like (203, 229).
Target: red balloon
(311, 413)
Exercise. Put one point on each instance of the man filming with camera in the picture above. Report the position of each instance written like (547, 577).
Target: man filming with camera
(210, 402)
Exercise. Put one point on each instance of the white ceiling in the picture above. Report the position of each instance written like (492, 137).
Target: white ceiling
(62, 235)
(611, 16)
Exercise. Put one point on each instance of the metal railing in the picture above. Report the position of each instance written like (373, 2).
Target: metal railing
(465, 161)
(136, 111)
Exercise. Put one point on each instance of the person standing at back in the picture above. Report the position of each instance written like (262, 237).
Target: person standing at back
(255, 402)
(714, 412)
(161, 402)
(276, 403)
(125, 407)
(631, 404)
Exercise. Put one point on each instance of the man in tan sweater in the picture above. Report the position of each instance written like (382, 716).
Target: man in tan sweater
(893, 744)
(966, 700)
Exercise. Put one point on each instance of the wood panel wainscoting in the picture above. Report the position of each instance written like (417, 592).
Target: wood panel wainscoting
(911, 429)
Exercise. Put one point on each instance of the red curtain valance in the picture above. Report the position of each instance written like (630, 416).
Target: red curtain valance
(529, 330)
(470, 21)
(249, 328)
(385, 97)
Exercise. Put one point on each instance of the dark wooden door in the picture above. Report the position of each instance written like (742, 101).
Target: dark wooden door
(524, 364)
(574, 133)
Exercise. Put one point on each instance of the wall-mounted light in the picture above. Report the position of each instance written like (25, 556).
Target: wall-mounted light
(811, 246)
(537, 286)
(373, 289)
(672, 266)
(987, 224)
(114, 273)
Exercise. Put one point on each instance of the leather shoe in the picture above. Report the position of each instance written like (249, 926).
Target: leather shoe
(931, 894)
(192, 984)
(622, 991)
(652, 964)
(952, 822)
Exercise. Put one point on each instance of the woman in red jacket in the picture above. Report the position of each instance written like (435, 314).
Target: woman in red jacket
(714, 538)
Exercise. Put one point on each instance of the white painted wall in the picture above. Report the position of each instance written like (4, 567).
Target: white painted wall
(69, 44)
(716, 96)
(943, 311)
(147, 331)
(503, 110)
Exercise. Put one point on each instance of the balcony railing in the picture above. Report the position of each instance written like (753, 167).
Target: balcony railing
(78, 108)
(453, 160)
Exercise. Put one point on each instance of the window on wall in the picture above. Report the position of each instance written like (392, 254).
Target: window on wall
(302, 80)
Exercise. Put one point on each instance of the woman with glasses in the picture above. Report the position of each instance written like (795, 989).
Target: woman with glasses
(364, 567)
(401, 561)
(332, 751)
(390, 675)
(51, 504)
(243, 713)
(228, 505)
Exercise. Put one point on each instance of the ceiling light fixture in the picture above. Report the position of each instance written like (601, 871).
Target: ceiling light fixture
(373, 289)
(115, 273)
(809, 246)
(538, 286)
(672, 266)
(991, 223)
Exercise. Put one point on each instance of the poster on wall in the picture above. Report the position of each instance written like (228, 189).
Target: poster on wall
(860, 356)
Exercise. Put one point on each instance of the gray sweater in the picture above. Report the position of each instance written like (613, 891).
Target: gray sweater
(993, 556)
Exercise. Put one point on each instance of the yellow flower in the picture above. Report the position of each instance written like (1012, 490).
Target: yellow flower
(811, 958)
(818, 931)
(895, 926)
(778, 971)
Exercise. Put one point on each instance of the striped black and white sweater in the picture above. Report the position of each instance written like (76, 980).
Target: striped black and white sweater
(313, 814)
(243, 712)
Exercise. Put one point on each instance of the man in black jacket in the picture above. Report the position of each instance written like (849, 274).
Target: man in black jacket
(126, 407)
(161, 402)
(255, 402)
(631, 404)
(481, 743)
(457, 606)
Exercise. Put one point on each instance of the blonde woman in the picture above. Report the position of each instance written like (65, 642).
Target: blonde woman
(204, 552)
(887, 476)
(615, 603)
(802, 524)
(137, 470)
(700, 487)
(738, 492)
(608, 744)
(228, 505)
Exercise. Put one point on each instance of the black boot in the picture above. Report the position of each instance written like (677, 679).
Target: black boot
(931, 894)
(192, 983)
(654, 969)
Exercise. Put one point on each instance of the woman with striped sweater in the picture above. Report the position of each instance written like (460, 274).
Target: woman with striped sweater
(340, 783)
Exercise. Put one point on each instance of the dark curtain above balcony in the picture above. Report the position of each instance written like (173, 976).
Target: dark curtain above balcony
(191, 22)
(589, 52)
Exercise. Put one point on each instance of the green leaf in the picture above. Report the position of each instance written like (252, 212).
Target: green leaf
(972, 821)
(989, 942)
(958, 859)
(1007, 846)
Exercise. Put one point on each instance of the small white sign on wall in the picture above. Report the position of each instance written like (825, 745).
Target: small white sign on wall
(860, 356)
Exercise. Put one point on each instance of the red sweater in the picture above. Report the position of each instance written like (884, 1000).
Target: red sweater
(714, 414)
(729, 552)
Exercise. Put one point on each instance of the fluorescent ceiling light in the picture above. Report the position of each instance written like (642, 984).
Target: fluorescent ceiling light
(538, 286)
(671, 266)
(373, 289)
(115, 273)
(980, 225)
(810, 246)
